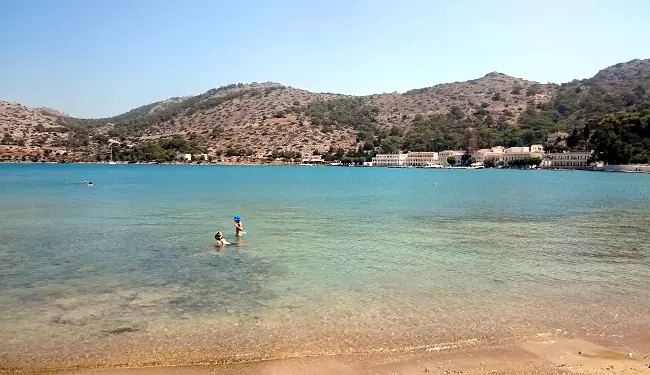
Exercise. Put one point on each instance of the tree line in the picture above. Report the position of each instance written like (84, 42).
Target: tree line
(161, 150)
(620, 138)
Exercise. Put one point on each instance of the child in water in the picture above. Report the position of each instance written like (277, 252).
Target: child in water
(239, 226)
(221, 241)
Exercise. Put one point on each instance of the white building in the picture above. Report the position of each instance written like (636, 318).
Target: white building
(482, 155)
(507, 156)
(537, 148)
(499, 154)
(421, 159)
(389, 160)
(315, 159)
(517, 150)
(457, 154)
(185, 157)
(566, 160)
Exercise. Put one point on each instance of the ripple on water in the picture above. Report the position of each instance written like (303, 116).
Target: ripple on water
(128, 272)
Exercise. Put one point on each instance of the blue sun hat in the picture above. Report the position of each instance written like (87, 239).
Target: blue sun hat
(237, 218)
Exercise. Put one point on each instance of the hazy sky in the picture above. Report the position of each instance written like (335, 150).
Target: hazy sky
(95, 58)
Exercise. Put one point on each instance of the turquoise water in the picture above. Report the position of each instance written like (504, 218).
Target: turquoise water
(334, 260)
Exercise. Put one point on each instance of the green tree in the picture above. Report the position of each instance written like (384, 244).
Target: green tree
(101, 139)
(451, 161)
(395, 131)
(609, 147)
(639, 91)
(574, 139)
(456, 113)
(390, 145)
(365, 135)
(7, 139)
(525, 162)
(217, 131)
(368, 146)
(620, 138)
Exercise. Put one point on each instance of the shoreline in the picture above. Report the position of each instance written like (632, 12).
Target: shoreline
(278, 164)
(543, 355)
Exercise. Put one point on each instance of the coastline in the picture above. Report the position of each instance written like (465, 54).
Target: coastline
(643, 170)
(543, 355)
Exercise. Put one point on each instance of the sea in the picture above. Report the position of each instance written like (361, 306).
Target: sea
(334, 260)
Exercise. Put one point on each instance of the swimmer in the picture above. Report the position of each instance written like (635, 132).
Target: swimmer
(239, 226)
(90, 183)
(221, 241)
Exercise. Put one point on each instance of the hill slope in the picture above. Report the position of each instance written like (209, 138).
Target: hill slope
(253, 120)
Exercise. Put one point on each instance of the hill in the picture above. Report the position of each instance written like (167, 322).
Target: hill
(253, 121)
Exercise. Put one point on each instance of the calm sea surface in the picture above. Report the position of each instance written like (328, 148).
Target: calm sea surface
(334, 260)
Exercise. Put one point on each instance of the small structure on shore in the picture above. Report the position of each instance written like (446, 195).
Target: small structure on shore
(315, 159)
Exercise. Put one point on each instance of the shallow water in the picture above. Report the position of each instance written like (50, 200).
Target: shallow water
(334, 260)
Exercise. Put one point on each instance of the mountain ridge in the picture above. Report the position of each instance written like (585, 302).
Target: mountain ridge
(253, 120)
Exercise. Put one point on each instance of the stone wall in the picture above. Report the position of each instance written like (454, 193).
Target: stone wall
(643, 168)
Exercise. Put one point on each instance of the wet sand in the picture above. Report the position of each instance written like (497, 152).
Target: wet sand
(548, 355)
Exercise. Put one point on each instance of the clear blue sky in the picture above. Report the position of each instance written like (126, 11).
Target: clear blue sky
(94, 58)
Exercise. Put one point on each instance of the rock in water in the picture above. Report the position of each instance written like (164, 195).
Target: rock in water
(120, 330)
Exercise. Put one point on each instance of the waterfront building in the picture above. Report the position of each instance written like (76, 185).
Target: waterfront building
(421, 159)
(457, 154)
(566, 160)
(389, 160)
(517, 150)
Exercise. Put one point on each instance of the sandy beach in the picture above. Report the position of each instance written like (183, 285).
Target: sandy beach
(549, 355)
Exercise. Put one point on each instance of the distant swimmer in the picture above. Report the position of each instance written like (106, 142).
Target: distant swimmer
(435, 184)
(90, 183)
(239, 226)
(221, 241)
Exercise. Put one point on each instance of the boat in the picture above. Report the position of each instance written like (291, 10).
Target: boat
(433, 165)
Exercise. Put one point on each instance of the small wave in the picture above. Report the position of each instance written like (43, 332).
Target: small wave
(243, 358)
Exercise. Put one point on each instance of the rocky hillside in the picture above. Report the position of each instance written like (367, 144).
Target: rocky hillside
(495, 93)
(254, 120)
(623, 86)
